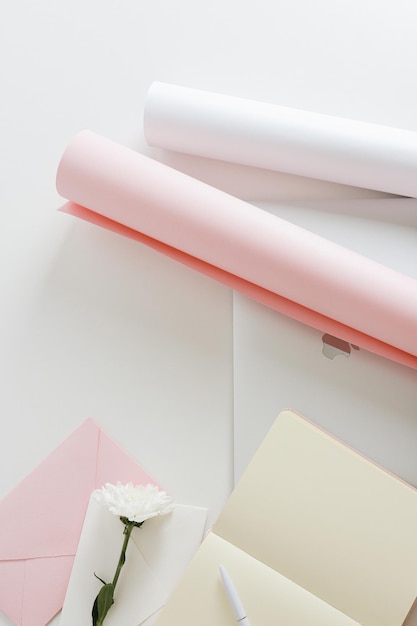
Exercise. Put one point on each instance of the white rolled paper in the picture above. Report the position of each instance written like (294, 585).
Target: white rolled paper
(282, 139)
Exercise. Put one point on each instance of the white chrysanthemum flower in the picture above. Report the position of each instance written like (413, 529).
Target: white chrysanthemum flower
(135, 503)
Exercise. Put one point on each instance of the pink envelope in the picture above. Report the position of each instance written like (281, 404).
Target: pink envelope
(41, 521)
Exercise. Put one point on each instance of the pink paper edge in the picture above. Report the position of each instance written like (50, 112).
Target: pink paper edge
(272, 300)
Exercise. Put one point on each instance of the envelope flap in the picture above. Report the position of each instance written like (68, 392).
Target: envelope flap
(168, 543)
(41, 575)
(114, 464)
(22, 583)
(43, 515)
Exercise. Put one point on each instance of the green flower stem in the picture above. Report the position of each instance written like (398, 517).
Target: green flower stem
(105, 597)
(129, 526)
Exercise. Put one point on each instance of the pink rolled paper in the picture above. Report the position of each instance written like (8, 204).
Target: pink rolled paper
(292, 270)
(282, 139)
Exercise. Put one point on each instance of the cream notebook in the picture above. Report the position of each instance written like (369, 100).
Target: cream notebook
(313, 534)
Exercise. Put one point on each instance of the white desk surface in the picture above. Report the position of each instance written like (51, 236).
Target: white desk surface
(92, 324)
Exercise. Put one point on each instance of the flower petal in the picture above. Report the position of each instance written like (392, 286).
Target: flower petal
(136, 503)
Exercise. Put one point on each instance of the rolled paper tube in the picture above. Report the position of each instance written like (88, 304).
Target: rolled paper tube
(290, 269)
(282, 139)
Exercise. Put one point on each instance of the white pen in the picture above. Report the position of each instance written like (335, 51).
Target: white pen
(234, 599)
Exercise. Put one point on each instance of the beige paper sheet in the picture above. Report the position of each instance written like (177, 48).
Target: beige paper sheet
(312, 516)
(269, 598)
(329, 519)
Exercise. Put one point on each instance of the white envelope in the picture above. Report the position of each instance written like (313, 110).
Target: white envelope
(156, 557)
